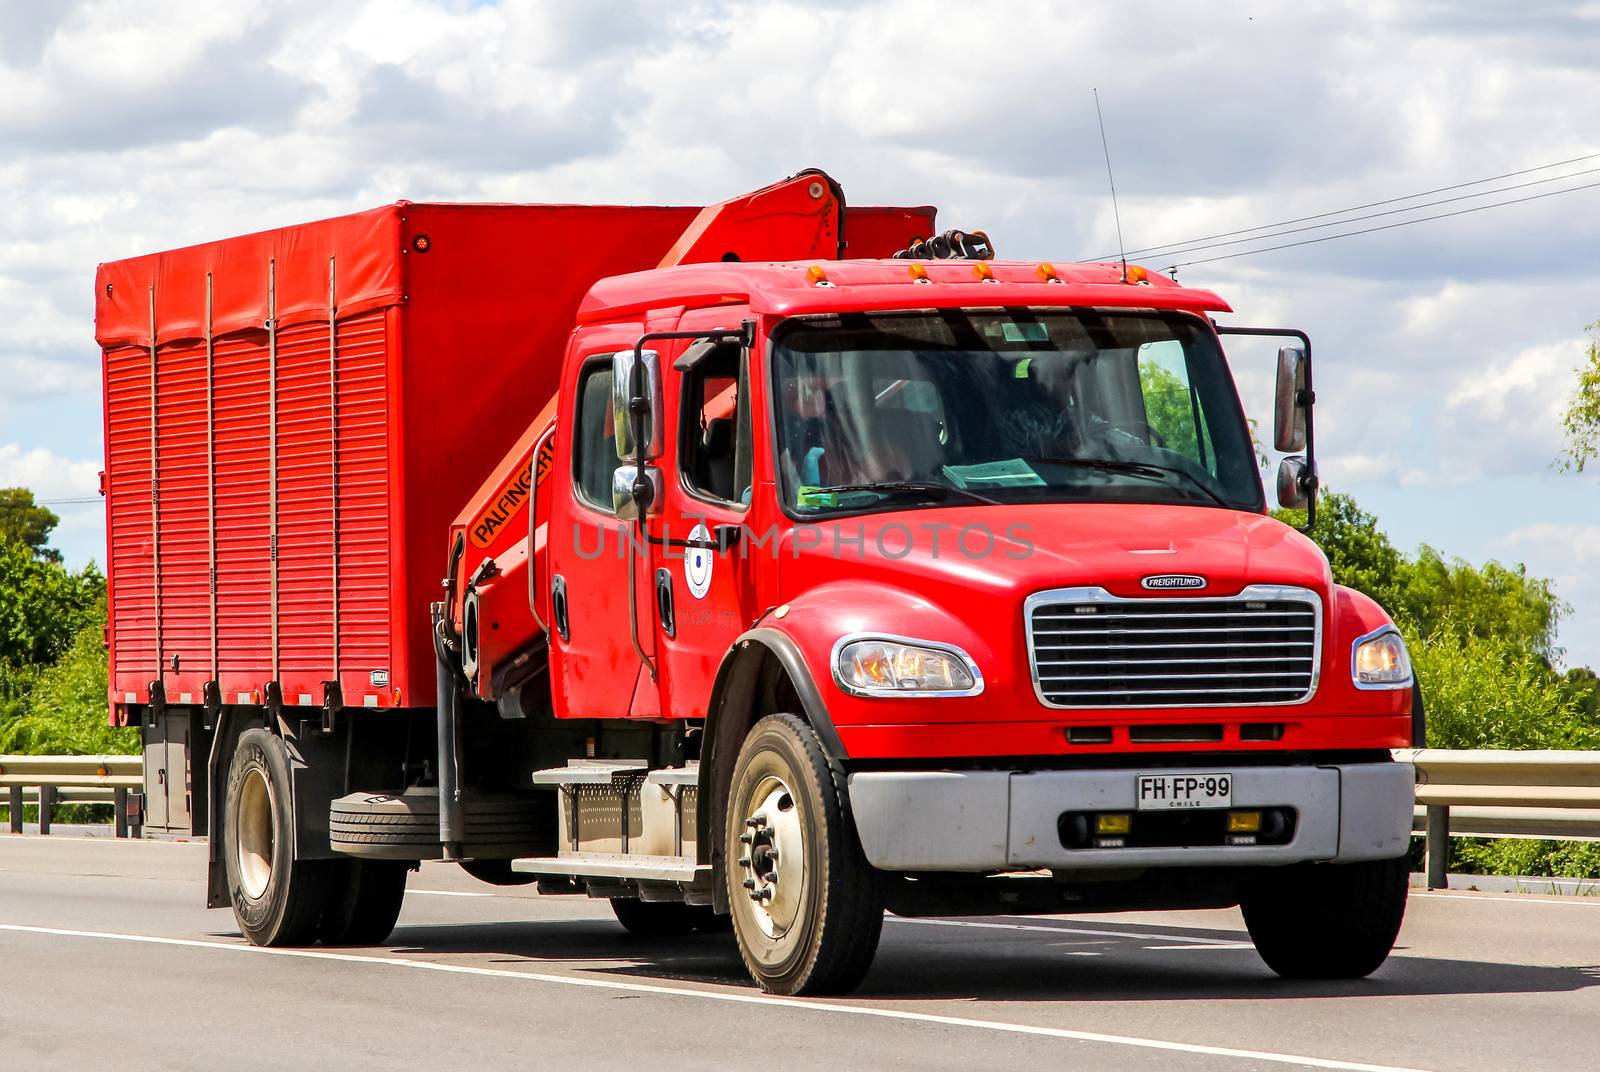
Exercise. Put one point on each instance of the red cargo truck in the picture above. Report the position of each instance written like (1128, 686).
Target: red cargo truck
(818, 564)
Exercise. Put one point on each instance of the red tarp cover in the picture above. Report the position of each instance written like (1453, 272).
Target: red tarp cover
(365, 245)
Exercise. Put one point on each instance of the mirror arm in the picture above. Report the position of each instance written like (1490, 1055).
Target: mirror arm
(1309, 481)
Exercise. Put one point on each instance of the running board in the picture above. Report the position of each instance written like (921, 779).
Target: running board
(610, 865)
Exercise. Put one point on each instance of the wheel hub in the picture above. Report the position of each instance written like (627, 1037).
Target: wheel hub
(773, 858)
(253, 837)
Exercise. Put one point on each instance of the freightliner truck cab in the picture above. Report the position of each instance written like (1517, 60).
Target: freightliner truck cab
(960, 572)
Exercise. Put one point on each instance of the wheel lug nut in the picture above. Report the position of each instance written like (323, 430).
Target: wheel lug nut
(750, 884)
(745, 839)
(756, 822)
(744, 861)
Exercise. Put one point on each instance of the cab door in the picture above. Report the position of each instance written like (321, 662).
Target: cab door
(593, 665)
(702, 562)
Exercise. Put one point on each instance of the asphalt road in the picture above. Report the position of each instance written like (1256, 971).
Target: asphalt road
(108, 961)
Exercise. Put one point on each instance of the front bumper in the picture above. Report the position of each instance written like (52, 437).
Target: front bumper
(983, 821)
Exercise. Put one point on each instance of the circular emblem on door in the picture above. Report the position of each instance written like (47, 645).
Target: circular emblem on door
(697, 561)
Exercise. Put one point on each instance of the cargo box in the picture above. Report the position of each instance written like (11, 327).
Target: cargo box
(294, 417)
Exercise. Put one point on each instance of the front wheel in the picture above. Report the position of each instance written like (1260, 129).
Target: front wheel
(807, 908)
(1327, 921)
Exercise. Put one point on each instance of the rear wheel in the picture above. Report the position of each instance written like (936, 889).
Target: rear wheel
(364, 901)
(807, 907)
(277, 899)
(662, 918)
(1327, 921)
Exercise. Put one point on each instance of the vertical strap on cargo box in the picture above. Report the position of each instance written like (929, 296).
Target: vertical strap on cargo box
(333, 447)
(272, 450)
(155, 488)
(211, 474)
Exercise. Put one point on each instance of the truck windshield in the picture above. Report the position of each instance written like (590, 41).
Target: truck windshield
(894, 410)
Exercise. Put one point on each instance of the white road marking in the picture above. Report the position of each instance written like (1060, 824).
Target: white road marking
(1147, 935)
(450, 893)
(733, 997)
(1530, 898)
(1214, 945)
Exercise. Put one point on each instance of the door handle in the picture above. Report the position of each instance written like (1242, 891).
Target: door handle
(558, 605)
(669, 624)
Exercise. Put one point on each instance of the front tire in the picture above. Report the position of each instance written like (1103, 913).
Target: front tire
(1327, 921)
(277, 899)
(807, 907)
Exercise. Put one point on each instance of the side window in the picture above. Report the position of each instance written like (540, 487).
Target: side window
(1171, 409)
(715, 445)
(594, 445)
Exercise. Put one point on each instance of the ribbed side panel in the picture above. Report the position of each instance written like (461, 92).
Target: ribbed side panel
(185, 507)
(363, 498)
(133, 625)
(243, 539)
(305, 509)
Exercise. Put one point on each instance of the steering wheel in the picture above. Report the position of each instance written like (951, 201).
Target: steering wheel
(1142, 434)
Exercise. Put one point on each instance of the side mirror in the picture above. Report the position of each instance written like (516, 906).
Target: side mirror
(1297, 482)
(636, 407)
(1289, 427)
(635, 493)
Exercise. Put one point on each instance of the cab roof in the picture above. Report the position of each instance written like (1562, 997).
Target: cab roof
(791, 288)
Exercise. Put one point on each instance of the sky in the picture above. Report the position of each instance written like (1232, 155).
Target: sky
(1444, 351)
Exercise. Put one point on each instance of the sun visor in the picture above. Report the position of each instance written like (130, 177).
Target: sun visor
(291, 269)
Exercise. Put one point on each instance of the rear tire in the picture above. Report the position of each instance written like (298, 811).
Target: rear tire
(1327, 921)
(277, 899)
(660, 919)
(807, 907)
(365, 902)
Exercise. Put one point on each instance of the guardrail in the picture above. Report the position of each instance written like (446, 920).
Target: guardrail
(1544, 794)
(52, 780)
(1460, 793)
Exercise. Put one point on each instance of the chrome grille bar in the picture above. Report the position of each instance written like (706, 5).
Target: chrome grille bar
(1088, 648)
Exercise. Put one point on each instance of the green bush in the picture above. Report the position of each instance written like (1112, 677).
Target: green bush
(62, 708)
(1491, 692)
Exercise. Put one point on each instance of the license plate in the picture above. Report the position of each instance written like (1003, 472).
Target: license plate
(1160, 792)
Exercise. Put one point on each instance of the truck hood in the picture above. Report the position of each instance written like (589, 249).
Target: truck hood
(955, 555)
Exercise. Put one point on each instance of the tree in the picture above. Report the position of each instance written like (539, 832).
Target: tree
(1361, 556)
(1582, 419)
(43, 605)
(24, 521)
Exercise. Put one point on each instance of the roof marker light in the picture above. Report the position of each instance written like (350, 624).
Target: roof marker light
(1047, 273)
(816, 276)
(983, 271)
(1137, 273)
(919, 274)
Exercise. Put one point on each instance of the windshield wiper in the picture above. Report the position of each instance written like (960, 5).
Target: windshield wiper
(1149, 470)
(918, 488)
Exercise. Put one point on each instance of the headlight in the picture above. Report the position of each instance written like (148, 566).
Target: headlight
(1379, 660)
(897, 666)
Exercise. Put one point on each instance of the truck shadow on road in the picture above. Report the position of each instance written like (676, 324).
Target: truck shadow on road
(1081, 962)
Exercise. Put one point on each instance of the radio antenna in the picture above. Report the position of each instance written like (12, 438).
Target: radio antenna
(1116, 214)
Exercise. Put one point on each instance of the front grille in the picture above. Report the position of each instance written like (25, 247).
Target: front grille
(1093, 650)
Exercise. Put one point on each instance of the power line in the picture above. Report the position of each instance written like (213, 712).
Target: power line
(1377, 215)
(1358, 208)
(68, 502)
(1388, 226)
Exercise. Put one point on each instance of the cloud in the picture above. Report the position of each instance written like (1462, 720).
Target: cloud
(1440, 347)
